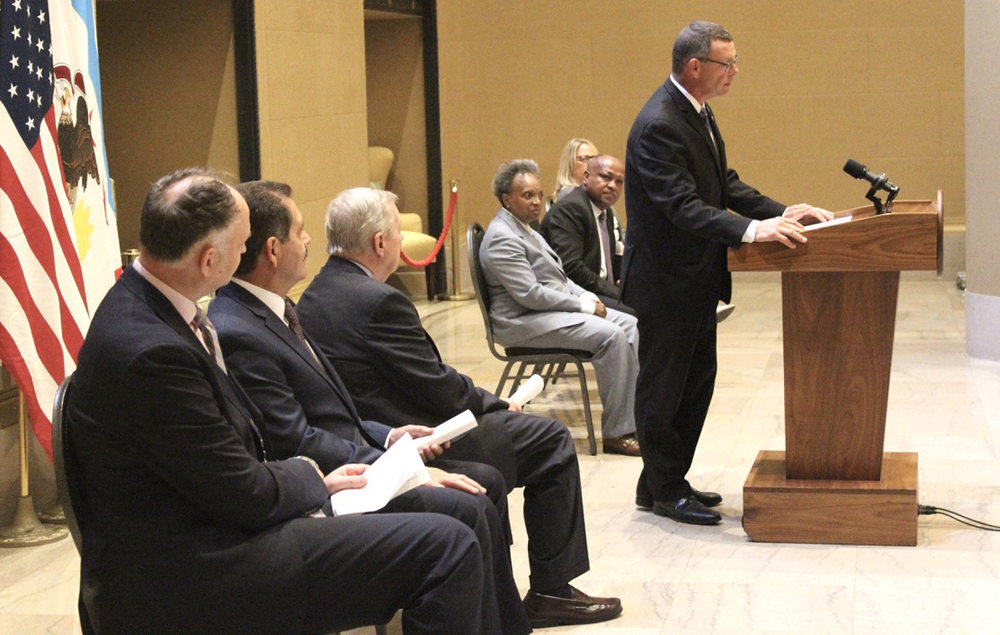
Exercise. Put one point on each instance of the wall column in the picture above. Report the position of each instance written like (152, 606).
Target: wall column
(982, 186)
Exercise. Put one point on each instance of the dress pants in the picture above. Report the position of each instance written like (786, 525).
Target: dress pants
(501, 601)
(547, 469)
(677, 368)
(360, 568)
(613, 341)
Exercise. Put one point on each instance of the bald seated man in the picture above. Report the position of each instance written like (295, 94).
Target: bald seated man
(582, 228)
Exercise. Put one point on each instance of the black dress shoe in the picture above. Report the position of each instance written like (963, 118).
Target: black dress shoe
(708, 499)
(548, 610)
(687, 510)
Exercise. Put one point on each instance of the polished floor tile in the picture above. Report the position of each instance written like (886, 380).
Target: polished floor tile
(675, 578)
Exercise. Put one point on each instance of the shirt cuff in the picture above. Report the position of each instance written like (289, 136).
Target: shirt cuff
(587, 306)
(589, 295)
(751, 232)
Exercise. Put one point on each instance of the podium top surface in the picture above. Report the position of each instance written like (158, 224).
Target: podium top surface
(907, 239)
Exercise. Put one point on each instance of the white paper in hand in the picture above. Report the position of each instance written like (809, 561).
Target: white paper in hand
(396, 471)
(450, 430)
(527, 391)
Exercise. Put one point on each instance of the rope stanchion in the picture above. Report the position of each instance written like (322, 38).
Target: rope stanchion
(444, 233)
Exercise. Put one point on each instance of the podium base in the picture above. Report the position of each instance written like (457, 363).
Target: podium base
(883, 512)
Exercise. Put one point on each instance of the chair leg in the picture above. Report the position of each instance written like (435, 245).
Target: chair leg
(557, 372)
(522, 374)
(503, 379)
(586, 408)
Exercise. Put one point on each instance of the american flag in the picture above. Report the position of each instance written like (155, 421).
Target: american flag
(44, 234)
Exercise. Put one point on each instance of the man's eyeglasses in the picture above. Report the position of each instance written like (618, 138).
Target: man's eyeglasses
(585, 158)
(729, 65)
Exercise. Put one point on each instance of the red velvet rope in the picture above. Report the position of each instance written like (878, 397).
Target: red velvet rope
(440, 241)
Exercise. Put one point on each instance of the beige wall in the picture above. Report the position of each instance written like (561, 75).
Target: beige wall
(819, 83)
(169, 95)
(311, 87)
(395, 80)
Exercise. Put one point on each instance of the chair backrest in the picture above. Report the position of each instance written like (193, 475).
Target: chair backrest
(66, 466)
(474, 237)
(379, 163)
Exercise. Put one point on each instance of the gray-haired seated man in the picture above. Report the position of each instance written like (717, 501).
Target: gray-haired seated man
(373, 336)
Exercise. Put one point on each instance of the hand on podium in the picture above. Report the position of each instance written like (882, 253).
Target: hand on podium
(780, 229)
(804, 210)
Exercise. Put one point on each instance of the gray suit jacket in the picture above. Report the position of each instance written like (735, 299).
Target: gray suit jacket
(529, 291)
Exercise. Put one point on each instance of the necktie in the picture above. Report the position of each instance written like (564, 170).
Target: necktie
(208, 336)
(293, 323)
(708, 125)
(602, 227)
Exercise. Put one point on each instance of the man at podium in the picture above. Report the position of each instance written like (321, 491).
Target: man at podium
(678, 188)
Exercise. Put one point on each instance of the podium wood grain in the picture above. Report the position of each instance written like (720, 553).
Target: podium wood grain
(839, 290)
(882, 512)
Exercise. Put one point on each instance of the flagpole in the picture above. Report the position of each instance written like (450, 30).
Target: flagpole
(25, 530)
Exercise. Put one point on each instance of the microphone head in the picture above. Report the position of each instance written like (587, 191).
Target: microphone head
(855, 169)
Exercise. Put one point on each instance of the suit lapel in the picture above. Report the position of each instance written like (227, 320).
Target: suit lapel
(534, 241)
(319, 364)
(593, 231)
(160, 305)
(693, 119)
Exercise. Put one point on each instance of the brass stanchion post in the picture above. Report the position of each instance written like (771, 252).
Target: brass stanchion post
(25, 530)
(455, 295)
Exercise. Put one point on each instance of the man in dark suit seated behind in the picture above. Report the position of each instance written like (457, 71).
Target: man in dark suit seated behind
(372, 334)
(305, 406)
(573, 228)
(188, 529)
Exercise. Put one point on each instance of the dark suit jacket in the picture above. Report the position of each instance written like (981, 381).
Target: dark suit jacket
(678, 188)
(368, 330)
(571, 230)
(306, 411)
(185, 532)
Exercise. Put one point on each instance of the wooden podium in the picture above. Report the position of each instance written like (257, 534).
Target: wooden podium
(834, 484)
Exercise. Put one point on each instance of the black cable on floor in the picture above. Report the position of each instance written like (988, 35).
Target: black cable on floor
(927, 510)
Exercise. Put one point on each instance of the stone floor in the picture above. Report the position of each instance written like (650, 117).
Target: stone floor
(676, 578)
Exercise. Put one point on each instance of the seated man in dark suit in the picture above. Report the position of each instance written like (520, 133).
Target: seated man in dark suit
(590, 257)
(582, 228)
(188, 529)
(372, 334)
(305, 407)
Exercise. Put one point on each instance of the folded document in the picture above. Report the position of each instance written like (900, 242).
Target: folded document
(450, 430)
(399, 470)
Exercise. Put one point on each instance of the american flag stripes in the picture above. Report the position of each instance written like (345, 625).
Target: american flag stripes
(58, 241)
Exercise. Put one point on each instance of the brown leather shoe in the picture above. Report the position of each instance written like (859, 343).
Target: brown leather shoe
(626, 444)
(547, 610)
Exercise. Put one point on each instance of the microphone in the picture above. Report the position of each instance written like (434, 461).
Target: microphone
(878, 181)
